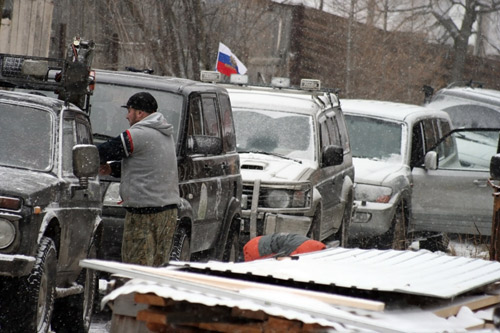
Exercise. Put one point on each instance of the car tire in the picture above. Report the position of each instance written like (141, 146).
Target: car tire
(396, 237)
(437, 242)
(181, 247)
(74, 313)
(232, 248)
(314, 231)
(37, 292)
(344, 232)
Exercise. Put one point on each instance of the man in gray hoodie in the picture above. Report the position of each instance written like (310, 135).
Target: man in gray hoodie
(145, 159)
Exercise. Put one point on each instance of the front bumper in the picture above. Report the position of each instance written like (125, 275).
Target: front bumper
(371, 219)
(269, 223)
(15, 265)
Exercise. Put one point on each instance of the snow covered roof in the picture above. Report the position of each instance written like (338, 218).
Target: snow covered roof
(388, 110)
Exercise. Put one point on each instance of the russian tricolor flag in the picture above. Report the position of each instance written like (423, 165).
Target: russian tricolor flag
(228, 63)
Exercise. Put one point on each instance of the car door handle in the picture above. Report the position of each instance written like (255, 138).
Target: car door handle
(480, 182)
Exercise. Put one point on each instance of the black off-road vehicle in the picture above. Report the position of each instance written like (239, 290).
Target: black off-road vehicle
(50, 201)
(209, 216)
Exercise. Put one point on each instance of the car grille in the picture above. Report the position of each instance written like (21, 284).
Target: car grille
(248, 191)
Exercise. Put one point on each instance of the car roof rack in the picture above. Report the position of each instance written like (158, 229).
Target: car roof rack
(307, 86)
(71, 78)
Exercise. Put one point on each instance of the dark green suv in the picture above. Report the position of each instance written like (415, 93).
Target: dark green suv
(208, 165)
(50, 201)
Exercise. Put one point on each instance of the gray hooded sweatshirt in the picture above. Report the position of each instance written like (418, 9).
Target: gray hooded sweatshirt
(149, 173)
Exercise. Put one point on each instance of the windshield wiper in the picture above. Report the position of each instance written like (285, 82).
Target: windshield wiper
(102, 136)
(268, 153)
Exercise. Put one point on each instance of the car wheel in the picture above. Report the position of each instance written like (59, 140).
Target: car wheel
(396, 237)
(343, 233)
(181, 247)
(74, 313)
(36, 293)
(232, 248)
(314, 231)
(437, 242)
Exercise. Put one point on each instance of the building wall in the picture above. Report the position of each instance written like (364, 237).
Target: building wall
(28, 32)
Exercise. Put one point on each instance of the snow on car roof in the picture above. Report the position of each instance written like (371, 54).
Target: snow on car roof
(467, 95)
(272, 100)
(386, 109)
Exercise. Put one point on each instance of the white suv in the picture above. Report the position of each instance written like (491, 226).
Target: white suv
(296, 163)
(389, 142)
(468, 106)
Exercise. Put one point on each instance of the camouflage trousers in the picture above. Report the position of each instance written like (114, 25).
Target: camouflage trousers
(148, 238)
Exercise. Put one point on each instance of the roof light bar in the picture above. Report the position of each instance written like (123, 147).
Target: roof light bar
(280, 82)
(238, 79)
(309, 84)
(210, 76)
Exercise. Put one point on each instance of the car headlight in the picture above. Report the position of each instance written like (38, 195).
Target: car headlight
(372, 193)
(112, 195)
(7, 233)
(278, 199)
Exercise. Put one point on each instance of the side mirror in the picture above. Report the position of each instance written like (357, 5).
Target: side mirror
(332, 155)
(206, 145)
(431, 161)
(495, 167)
(85, 161)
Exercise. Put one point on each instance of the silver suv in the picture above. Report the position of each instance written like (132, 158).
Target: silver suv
(468, 105)
(389, 142)
(296, 162)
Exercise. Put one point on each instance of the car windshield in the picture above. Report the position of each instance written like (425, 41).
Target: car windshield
(374, 138)
(108, 117)
(473, 149)
(281, 133)
(468, 115)
(25, 138)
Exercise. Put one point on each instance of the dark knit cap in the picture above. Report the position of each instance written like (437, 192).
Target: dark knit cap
(143, 101)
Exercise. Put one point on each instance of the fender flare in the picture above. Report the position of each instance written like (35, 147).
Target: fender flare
(347, 188)
(233, 209)
(184, 212)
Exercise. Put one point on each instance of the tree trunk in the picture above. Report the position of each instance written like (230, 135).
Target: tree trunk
(462, 40)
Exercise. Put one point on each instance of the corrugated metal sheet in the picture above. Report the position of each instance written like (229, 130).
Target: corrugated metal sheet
(281, 304)
(418, 273)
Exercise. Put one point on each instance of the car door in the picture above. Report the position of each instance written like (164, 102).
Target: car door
(78, 209)
(330, 182)
(203, 186)
(455, 197)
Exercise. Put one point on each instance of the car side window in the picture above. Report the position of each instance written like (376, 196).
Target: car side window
(323, 129)
(227, 123)
(446, 148)
(195, 126)
(417, 146)
(333, 131)
(75, 131)
(203, 118)
(210, 118)
(431, 133)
